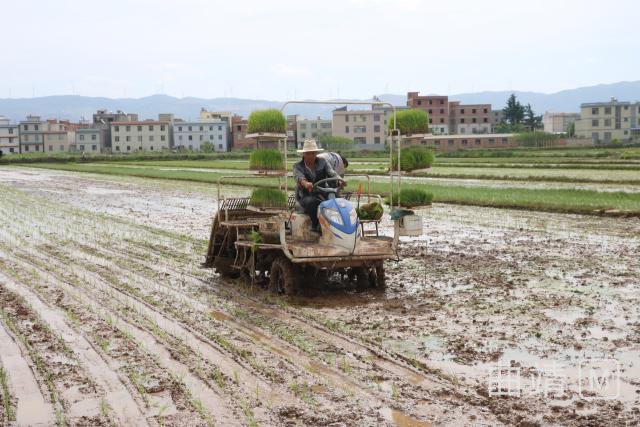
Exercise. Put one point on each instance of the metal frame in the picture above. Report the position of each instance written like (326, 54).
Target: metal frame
(222, 200)
(394, 134)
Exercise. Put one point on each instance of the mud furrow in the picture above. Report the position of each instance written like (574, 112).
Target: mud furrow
(429, 383)
(197, 388)
(281, 348)
(32, 408)
(217, 407)
(357, 353)
(102, 372)
(198, 343)
(368, 396)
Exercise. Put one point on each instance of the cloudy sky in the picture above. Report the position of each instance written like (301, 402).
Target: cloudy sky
(313, 49)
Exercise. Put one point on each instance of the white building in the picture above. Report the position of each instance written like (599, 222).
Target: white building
(32, 134)
(91, 140)
(148, 135)
(558, 122)
(311, 128)
(191, 135)
(9, 138)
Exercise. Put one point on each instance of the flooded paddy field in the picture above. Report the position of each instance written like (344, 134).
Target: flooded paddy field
(107, 317)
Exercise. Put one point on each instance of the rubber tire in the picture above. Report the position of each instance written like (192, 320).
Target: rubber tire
(283, 277)
(224, 267)
(363, 281)
(381, 280)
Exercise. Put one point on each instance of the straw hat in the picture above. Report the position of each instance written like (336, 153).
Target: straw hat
(310, 145)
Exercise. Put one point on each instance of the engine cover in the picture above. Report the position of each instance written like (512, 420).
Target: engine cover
(339, 222)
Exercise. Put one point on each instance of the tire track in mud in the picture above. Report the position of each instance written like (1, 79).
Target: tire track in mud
(102, 371)
(272, 344)
(198, 343)
(198, 389)
(359, 352)
(372, 399)
(216, 405)
(421, 377)
(32, 407)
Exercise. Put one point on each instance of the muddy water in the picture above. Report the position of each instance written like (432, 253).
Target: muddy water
(32, 409)
(116, 395)
(482, 286)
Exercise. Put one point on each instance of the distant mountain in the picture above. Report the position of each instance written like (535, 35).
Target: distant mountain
(74, 107)
(565, 101)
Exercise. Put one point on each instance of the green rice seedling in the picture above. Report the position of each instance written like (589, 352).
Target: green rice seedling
(6, 397)
(270, 120)
(413, 157)
(217, 376)
(248, 412)
(60, 421)
(411, 198)
(104, 408)
(266, 159)
(344, 365)
(411, 122)
(268, 198)
(394, 392)
(370, 211)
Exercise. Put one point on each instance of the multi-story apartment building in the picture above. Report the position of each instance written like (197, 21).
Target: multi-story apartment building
(191, 135)
(312, 128)
(558, 122)
(92, 139)
(469, 118)
(436, 106)
(58, 136)
(148, 135)
(9, 137)
(292, 130)
(216, 116)
(32, 134)
(497, 117)
(604, 122)
(451, 117)
(239, 133)
(108, 117)
(104, 118)
(367, 128)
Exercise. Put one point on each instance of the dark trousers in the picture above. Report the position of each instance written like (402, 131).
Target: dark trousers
(310, 205)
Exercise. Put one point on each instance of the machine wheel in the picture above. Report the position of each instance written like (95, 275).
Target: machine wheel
(362, 278)
(224, 267)
(283, 277)
(380, 281)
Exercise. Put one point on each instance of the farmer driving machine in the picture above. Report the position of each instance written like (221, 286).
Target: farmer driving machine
(273, 244)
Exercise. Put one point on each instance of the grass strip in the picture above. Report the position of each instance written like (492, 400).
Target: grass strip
(550, 200)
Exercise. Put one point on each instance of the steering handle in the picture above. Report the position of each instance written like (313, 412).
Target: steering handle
(324, 181)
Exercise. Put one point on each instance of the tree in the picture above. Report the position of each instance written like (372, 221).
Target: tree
(571, 129)
(531, 121)
(206, 147)
(504, 127)
(514, 111)
(536, 139)
(335, 143)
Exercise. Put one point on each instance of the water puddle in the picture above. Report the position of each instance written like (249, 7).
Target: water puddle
(101, 191)
(219, 316)
(401, 420)
(564, 316)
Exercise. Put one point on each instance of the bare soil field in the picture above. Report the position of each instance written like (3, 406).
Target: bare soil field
(107, 317)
